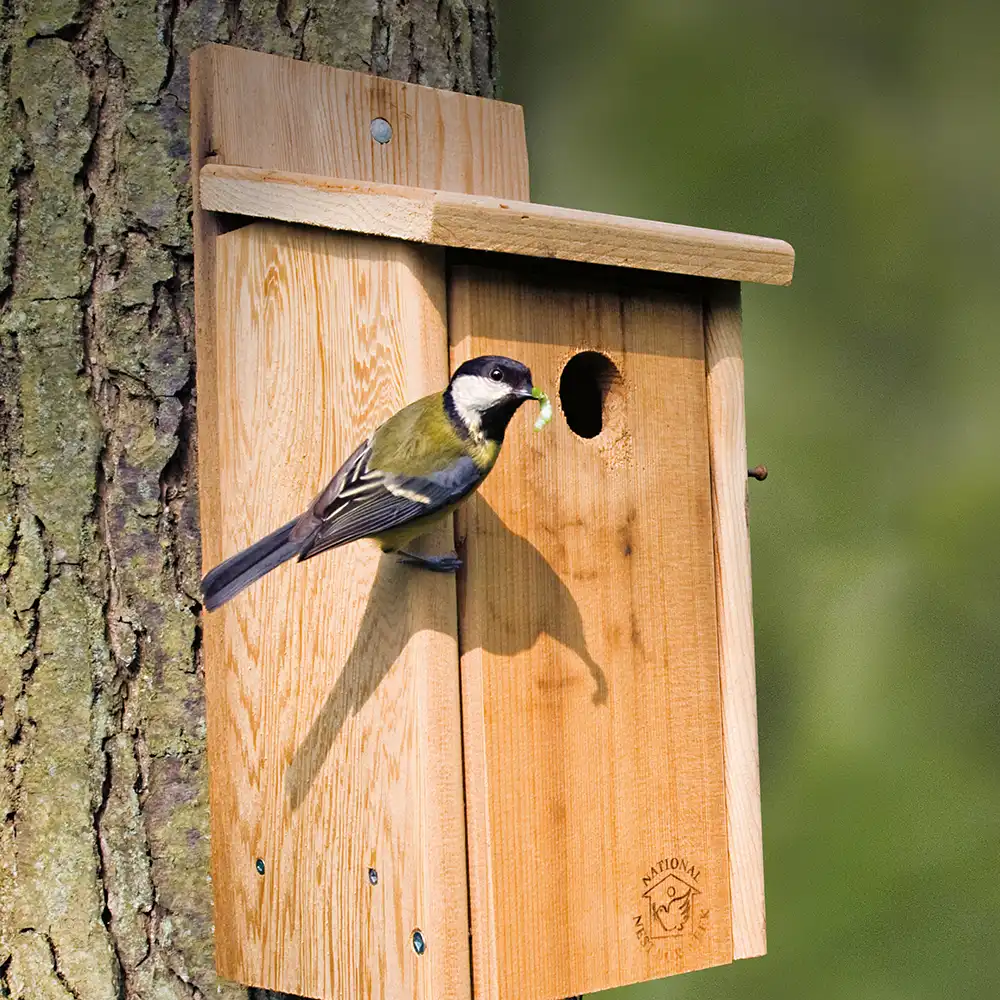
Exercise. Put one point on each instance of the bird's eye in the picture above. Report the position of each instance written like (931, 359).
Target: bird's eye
(496, 375)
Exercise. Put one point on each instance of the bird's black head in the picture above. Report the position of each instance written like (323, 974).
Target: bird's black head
(484, 394)
(500, 371)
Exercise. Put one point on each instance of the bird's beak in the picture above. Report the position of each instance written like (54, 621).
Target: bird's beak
(527, 394)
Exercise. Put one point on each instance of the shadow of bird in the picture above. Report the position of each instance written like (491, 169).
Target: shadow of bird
(536, 599)
(542, 602)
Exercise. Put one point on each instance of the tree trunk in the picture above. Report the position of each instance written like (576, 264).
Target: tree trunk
(104, 888)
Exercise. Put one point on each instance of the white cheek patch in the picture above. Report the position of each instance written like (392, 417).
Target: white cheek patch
(474, 394)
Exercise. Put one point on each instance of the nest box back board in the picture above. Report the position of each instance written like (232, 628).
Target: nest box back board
(554, 753)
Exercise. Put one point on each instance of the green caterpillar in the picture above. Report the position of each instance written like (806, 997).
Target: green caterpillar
(546, 408)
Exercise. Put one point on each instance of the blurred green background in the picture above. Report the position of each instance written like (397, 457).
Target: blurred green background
(868, 136)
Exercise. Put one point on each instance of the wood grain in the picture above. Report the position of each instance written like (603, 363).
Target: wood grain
(449, 218)
(606, 632)
(206, 229)
(258, 110)
(282, 114)
(334, 712)
(727, 422)
(590, 670)
(376, 759)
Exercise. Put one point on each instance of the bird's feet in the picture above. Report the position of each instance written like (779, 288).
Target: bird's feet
(436, 564)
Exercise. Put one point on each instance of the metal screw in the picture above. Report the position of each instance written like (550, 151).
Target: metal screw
(260, 866)
(381, 130)
(419, 945)
(758, 472)
(373, 876)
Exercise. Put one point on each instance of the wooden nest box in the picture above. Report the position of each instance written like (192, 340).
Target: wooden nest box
(553, 756)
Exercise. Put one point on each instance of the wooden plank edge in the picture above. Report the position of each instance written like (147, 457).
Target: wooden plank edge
(476, 222)
(478, 827)
(482, 903)
(228, 960)
(206, 230)
(444, 878)
(728, 455)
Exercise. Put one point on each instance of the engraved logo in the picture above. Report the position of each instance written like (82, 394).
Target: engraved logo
(672, 912)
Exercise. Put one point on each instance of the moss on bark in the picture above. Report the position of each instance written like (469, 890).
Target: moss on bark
(104, 848)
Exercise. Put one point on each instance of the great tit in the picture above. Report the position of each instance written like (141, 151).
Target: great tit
(412, 472)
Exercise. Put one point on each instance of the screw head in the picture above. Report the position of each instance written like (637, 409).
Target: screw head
(260, 866)
(373, 876)
(419, 945)
(381, 130)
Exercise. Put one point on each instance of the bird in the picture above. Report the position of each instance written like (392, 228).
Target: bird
(408, 475)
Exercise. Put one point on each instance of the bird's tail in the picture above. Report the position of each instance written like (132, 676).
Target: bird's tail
(242, 569)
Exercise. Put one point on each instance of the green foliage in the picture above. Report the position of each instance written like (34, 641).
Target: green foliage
(867, 136)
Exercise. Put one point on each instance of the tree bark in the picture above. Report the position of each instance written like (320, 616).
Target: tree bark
(104, 882)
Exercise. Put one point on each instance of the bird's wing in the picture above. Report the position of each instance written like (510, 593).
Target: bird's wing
(361, 501)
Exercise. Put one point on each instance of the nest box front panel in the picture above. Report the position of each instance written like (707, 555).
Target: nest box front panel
(333, 698)
(595, 781)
